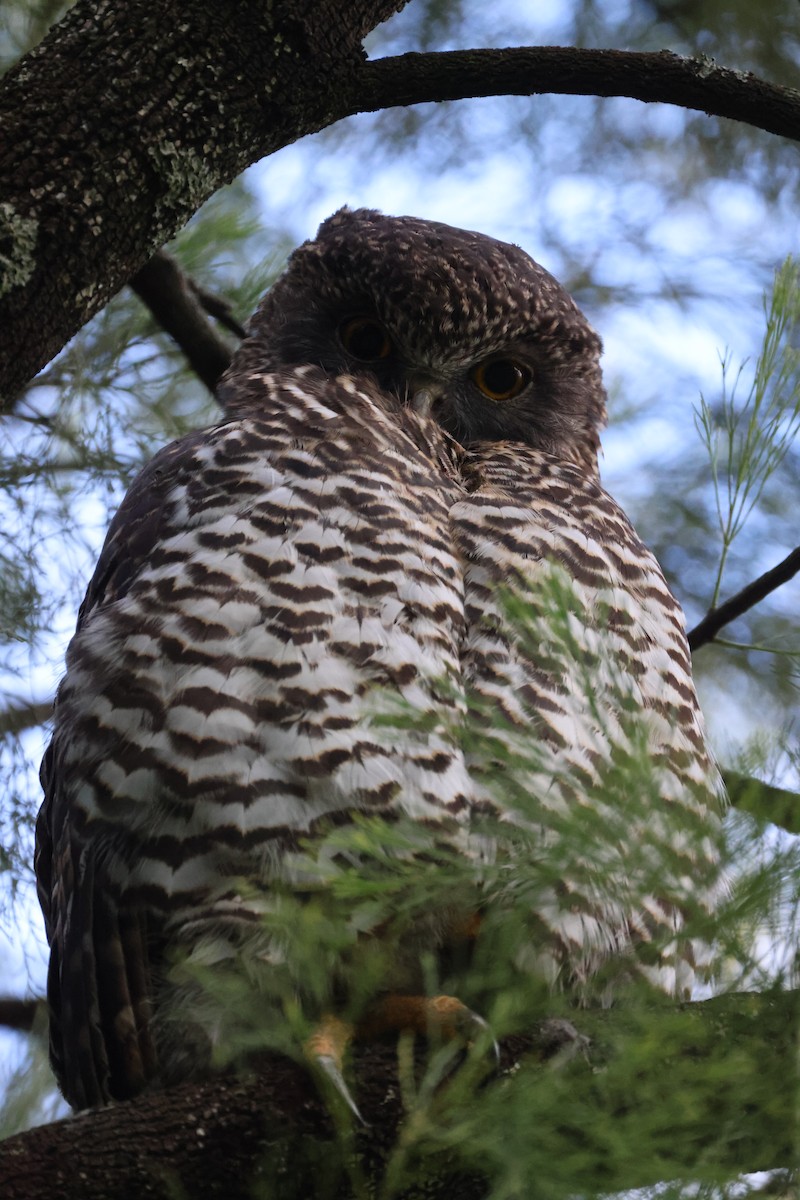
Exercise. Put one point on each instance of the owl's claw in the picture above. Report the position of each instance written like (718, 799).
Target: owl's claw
(444, 1015)
(326, 1048)
(482, 1029)
(333, 1071)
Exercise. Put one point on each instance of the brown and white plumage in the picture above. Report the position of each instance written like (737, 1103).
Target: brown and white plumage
(348, 535)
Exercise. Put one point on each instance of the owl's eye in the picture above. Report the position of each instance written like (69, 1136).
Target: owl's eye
(500, 378)
(365, 338)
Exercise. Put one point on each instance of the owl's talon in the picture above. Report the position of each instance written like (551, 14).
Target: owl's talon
(445, 1015)
(326, 1048)
(483, 1027)
(332, 1070)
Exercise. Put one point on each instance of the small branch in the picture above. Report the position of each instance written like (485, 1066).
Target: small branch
(764, 800)
(714, 620)
(217, 307)
(696, 83)
(21, 716)
(20, 1015)
(180, 307)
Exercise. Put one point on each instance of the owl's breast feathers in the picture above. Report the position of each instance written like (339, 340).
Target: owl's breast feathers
(271, 592)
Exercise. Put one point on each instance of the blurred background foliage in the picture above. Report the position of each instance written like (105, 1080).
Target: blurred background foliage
(667, 226)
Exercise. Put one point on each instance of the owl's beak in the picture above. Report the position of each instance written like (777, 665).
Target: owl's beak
(423, 392)
(422, 401)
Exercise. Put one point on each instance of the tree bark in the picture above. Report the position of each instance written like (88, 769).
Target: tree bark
(656, 76)
(719, 1075)
(126, 119)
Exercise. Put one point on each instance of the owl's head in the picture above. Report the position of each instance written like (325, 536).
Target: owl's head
(469, 331)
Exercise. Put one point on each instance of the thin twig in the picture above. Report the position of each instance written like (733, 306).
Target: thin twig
(217, 307)
(714, 620)
(178, 306)
(763, 800)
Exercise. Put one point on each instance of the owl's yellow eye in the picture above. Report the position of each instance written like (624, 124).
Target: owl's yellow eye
(365, 338)
(501, 378)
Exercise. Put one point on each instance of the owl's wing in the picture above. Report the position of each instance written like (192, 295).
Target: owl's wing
(99, 985)
(264, 588)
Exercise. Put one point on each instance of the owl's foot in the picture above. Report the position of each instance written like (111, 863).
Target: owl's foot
(326, 1048)
(443, 1016)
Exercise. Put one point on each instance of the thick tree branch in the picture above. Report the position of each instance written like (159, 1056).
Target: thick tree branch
(127, 117)
(533, 70)
(219, 1137)
(714, 620)
(84, 204)
(180, 309)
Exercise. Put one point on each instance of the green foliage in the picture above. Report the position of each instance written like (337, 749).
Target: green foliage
(747, 442)
(564, 1128)
(31, 1099)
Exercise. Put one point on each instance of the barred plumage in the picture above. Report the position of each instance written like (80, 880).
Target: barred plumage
(347, 536)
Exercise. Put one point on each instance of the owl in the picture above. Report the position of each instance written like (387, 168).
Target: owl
(398, 512)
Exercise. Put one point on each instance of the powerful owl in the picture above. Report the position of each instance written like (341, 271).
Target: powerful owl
(399, 512)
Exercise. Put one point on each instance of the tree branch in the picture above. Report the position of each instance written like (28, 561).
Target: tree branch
(20, 1015)
(764, 800)
(25, 715)
(662, 76)
(219, 1137)
(714, 620)
(180, 306)
(125, 119)
(84, 205)
(217, 307)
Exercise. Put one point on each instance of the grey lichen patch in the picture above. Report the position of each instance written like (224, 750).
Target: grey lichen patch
(187, 176)
(18, 235)
(85, 297)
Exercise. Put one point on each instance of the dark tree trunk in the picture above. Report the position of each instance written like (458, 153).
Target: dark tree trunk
(126, 119)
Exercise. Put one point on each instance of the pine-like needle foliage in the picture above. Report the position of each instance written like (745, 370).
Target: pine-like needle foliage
(361, 906)
(747, 441)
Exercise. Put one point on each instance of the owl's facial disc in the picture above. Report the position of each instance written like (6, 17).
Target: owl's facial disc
(366, 340)
(498, 378)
